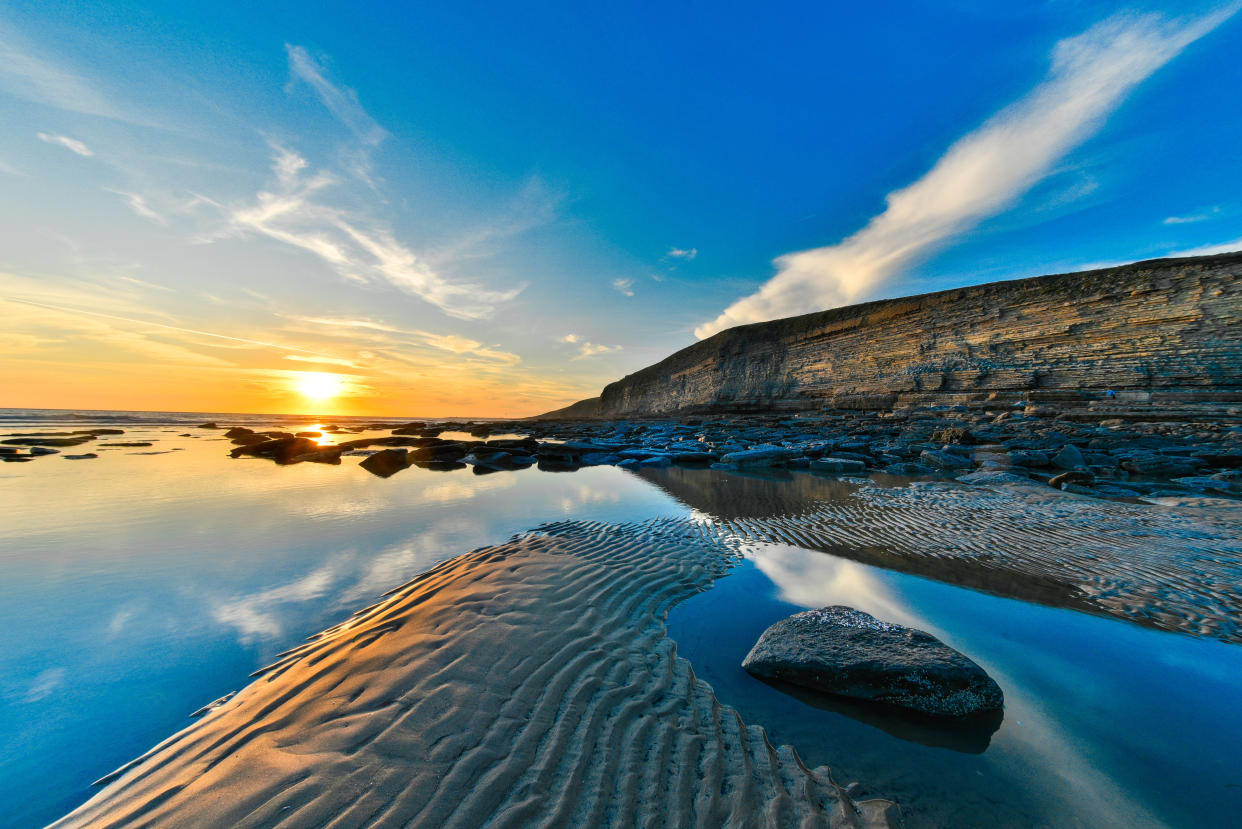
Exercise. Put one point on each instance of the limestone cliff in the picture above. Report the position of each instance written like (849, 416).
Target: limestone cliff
(1161, 331)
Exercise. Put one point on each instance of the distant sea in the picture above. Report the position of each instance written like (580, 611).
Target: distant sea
(10, 417)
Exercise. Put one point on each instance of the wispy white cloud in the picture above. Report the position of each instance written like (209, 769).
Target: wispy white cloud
(142, 283)
(335, 361)
(340, 100)
(358, 250)
(451, 343)
(71, 144)
(984, 172)
(535, 204)
(682, 253)
(139, 205)
(28, 74)
(594, 350)
(44, 684)
(258, 615)
(625, 286)
(1210, 250)
(160, 325)
(585, 348)
(1201, 216)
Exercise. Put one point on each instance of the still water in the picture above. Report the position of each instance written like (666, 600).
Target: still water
(137, 587)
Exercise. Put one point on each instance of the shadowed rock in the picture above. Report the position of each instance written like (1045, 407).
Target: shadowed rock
(839, 650)
(387, 462)
(36, 441)
(281, 450)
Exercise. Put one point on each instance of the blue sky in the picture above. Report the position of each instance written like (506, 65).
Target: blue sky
(497, 209)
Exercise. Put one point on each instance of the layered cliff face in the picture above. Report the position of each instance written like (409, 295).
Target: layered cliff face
(1162, 331)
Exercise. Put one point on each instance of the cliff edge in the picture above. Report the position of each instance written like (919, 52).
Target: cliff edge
(1163, 331)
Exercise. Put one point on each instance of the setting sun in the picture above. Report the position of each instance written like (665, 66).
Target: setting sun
(317, 385)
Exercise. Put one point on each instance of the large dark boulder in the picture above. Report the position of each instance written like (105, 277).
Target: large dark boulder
(387, 462)
(282, 450)
(843, 651)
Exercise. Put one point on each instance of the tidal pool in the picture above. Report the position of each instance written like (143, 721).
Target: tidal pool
(137, 587)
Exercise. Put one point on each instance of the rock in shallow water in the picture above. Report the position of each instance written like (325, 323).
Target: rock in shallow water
(839, 650)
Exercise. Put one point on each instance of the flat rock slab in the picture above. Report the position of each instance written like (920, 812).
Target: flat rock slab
(843, 651)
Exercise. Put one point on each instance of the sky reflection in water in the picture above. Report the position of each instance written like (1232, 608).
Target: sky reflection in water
(1106, 723)
(136, 588)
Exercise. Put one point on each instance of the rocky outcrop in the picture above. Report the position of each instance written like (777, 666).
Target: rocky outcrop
(843, 651)
(1154, 333)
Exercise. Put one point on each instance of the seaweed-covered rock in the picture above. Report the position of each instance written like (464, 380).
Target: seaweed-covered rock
(843, 651)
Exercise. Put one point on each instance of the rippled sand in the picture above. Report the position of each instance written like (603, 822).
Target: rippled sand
(533, 683)
(528, 684)
(1175, 568)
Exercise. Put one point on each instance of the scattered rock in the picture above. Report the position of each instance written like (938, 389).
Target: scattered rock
(325, 454)
(1074, 476)
(944, 460)
(843, 651)
(40, 441)
(839, 466)
(387, 462)
(1069, 457)
(1162, 466)
(88, 456)
(281, 450)
(760, 456)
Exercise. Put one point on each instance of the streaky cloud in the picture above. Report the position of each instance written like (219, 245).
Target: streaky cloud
(138, 204)
(462, 346)
(984, 172)
(27, 74)
(586, 350)
(1193, 217)
(71, 144)
(336, 361)
(341, 101)
(360, 251)
(1210, 250)
(165, 326)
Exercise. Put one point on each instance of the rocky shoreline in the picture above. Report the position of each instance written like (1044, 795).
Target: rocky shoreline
(1102, 451)
(1112, 456)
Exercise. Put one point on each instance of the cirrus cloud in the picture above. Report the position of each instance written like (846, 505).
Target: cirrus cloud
(984, 172)
(71, 144)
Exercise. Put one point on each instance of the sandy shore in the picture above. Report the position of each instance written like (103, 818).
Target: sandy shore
(528, 684)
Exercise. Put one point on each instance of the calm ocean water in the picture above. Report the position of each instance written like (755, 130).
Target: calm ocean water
(137, 587)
